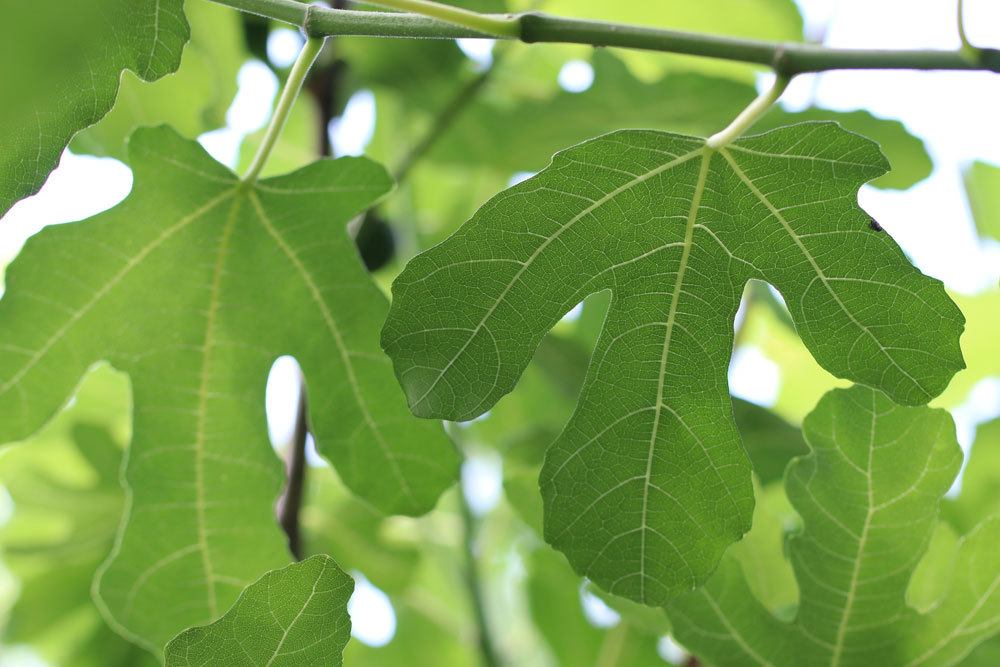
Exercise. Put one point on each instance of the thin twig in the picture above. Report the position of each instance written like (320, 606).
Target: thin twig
(290, 506)
(444, 120)
(788, 58)
(487, 650)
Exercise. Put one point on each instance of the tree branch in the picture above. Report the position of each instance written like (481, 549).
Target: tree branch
(290, 505)
(487, 650)
(787, 58)
(444, 120)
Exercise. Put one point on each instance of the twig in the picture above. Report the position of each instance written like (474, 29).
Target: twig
(788, 58)
(290, 505)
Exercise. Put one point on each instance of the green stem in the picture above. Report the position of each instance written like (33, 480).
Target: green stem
(968, 51)
(750, 115)
(788, 58)
(307, 56)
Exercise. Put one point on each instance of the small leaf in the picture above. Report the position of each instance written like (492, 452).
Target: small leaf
(648, 484)
(193, 286)
(61, 62)
(292, 617)
(868, 494)
(982, 187)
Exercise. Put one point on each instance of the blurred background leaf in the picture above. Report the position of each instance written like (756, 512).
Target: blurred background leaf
(193, 100)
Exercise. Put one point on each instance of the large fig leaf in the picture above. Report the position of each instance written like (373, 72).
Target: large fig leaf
(868, 494)
(193, 286)
(60, 65)
(648, 484)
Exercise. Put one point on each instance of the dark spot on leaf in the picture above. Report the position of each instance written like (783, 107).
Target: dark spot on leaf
(873, 223)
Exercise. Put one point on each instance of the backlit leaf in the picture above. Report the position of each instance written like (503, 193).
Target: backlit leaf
(868, 495)
(61, 62)
(193, 286)
(193, 100)
(982, 186)
(67, 506)
(292, 617)
(648, 483)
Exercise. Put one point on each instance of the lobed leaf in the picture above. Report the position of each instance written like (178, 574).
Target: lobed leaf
(193, 286)
(868, 494)
(67, 81)
(292, 617)
(648, 484)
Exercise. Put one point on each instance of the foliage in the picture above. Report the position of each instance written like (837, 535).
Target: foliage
(293, 616)
(868, 494)
(73, 75)
(982, 182)
(208, 237)
(675, 230)
(579, 329)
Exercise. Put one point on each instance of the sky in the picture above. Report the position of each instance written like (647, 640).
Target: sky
(955, 113)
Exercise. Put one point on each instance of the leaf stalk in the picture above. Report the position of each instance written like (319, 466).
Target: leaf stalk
(968, 51)
(788, 58)
(750, 115)
(293, 86)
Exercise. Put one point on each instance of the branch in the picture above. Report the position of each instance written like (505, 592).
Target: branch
(290, 504)
(786, 58)
(487, 650)
(442, 122)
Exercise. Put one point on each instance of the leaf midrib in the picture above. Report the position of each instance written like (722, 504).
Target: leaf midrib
(699, 189)
(845, 616)
(541, 248)
(202, 410)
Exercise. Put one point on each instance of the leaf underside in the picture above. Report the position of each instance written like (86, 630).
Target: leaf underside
(56, 86)
(868, 494)
(292, 617)
(193, 286)
(648, 484)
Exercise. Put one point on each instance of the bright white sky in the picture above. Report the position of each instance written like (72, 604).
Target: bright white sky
(955, 113)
